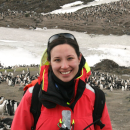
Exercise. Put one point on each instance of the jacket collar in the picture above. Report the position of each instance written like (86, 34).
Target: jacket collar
(49, 95)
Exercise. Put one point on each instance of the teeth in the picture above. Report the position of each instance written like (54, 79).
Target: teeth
(65, 72)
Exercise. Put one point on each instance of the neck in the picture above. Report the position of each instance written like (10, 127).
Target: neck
(65, 88)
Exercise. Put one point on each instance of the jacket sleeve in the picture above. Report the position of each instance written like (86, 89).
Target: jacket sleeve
(105, 119)
(23, 119)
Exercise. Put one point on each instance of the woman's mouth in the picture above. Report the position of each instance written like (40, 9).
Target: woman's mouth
(67, 72)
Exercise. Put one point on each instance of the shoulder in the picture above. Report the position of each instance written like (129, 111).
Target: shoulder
(94, 91)
(28, 95)
(89, 93)
(88, 87)
(32, 92)
(31, 89)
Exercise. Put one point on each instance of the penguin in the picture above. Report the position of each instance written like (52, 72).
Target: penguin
(2, 106)
(1, 99)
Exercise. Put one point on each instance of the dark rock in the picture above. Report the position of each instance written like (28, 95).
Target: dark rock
(107, 65)
(21, 88)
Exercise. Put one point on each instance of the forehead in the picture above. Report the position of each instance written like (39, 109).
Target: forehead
(61, 49)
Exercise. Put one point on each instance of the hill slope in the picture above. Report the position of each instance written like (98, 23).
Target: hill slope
(38, 6)
(112, 18)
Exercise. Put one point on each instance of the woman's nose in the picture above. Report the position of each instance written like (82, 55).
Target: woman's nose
(64, 64)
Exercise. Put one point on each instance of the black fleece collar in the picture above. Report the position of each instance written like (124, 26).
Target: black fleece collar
(65, 88)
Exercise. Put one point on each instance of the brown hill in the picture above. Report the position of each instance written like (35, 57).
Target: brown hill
(112, 18)
(110, 66)
(34, 5)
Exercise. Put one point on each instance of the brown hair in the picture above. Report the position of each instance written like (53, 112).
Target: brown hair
(63, 40)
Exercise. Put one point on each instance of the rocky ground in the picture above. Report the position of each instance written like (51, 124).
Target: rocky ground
(113, 18)
(118, 104)
(35, 5)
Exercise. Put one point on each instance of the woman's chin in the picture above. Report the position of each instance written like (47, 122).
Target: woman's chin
(66, 79)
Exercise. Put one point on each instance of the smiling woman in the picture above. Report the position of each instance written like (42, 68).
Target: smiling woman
(67, 101)
(64, 62)
(64, 56)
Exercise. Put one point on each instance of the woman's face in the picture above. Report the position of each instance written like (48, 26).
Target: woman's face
(64, 62)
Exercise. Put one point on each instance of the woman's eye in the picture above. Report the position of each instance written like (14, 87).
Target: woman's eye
(57, 60)
(70, 58)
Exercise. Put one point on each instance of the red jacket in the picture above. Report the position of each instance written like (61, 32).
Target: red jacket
(81, 110)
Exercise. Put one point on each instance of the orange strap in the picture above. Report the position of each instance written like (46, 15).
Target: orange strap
(31, 84)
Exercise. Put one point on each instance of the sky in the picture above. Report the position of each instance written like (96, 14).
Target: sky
(21, 46)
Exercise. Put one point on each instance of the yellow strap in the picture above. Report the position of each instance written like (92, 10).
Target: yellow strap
(68, 103)
(44, 60)
(80, 75)
(60, 121)
(86, 67)
(43, 80)
(73, 122)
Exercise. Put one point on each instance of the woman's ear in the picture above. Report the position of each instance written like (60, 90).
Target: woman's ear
(48, 61)
(80, 57)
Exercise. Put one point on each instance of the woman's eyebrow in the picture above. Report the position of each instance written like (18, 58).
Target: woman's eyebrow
(70, 55)
(56, 57)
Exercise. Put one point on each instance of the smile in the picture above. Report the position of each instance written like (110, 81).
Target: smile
(65, 72)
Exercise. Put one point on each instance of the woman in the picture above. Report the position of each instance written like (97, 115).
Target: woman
(67, 100)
